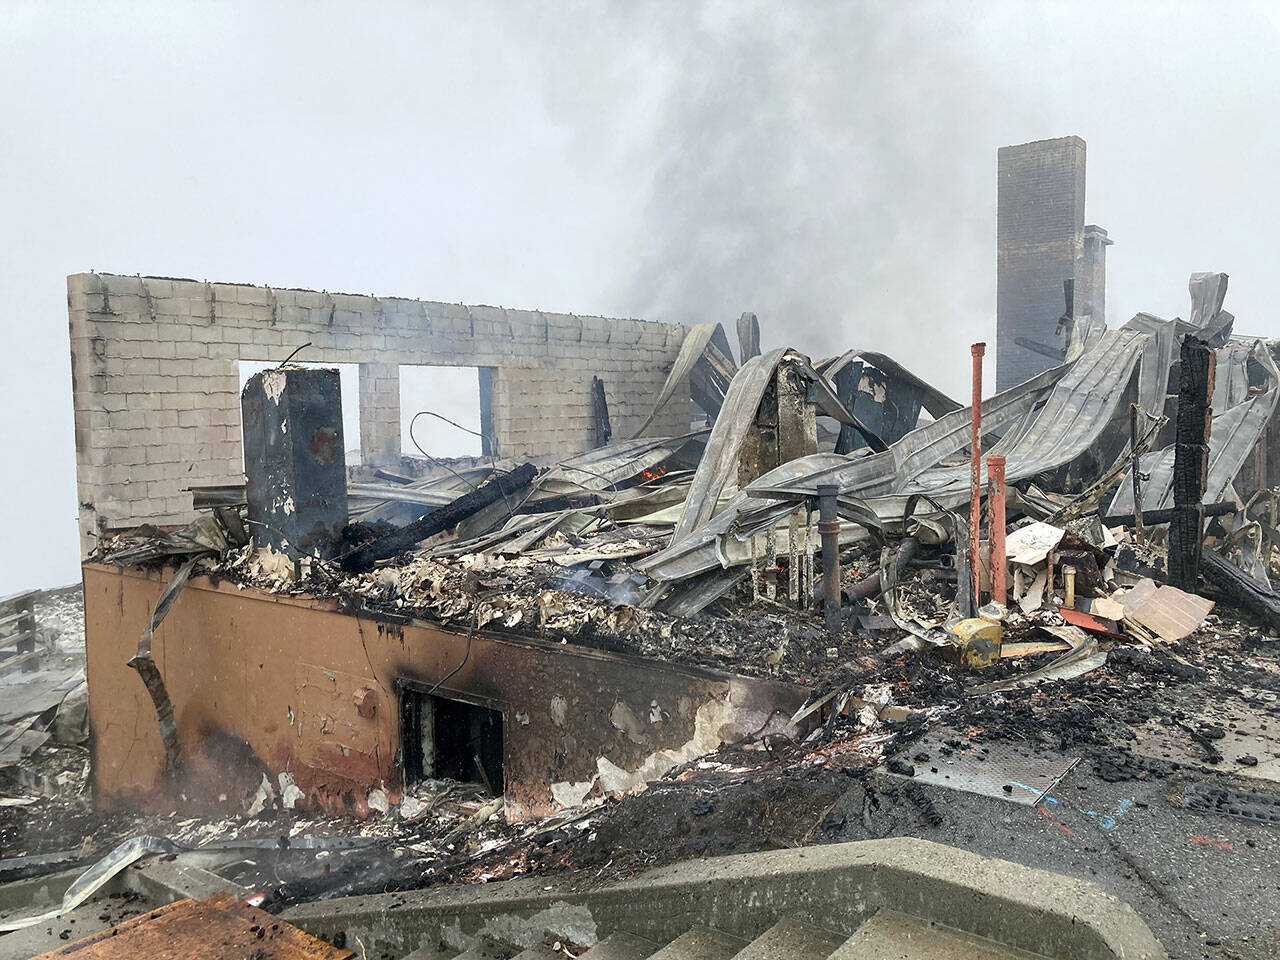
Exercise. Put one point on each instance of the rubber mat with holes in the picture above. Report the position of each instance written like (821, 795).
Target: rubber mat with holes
(1258, 807)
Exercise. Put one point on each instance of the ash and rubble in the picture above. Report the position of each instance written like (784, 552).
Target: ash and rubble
(701, 550)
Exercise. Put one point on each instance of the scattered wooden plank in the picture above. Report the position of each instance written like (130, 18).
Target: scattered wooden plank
(1031, 648)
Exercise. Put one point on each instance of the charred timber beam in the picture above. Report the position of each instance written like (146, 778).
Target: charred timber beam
(442, 518)
(600, 412)
(1135, 469)
(1238, 587)
(829, 528)
(1153, 518)
(1190, 462)
(996, 505)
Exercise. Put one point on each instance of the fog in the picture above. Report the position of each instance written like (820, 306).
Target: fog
(829, 166)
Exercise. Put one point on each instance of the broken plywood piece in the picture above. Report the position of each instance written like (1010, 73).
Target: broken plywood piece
(1032, 598)
(1107, 607)
(1171, 613)
(1032, 544)
(220, 927)
(1136, 596)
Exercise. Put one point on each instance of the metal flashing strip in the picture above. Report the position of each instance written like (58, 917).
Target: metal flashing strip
(1002, 770)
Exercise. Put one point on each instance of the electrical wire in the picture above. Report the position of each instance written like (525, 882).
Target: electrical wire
(294, 354)
(452, 423)
(492, 459)
(465, 656)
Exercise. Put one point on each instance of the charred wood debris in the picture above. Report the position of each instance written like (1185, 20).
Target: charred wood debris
(1068, 565)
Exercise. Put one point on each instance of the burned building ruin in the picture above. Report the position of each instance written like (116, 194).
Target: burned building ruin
(691, 590)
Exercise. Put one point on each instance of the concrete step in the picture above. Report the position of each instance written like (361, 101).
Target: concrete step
(621, 946)
(484, 950)
(791, 939)
(890, 935)
(700, 943)
(430, 952)
(537, 952)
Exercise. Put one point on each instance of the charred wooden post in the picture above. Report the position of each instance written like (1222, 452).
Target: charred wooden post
(996, 504)
(1134, 413)
(829, 530)
(975, 473)
(294, 463)
(1190, 462)
(748, 337)
(600, 413)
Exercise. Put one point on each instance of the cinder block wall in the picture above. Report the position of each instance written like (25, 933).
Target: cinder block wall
(1039, 241)
(155, 371)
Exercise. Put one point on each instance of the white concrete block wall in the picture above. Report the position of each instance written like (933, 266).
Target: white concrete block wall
(155, 374)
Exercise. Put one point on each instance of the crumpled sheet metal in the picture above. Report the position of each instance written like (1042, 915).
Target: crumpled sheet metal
(1083, 656)
(612, 464)
(202, 535)
(1208, 291)
(720, 459)
(93, 879)
(934, 400)
(145, 665)
(706, 546)
(1233, 435)
(1157, 357)
(882, 474)
(695, 343)
(1048, 421)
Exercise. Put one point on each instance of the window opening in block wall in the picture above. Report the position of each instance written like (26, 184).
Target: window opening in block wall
(349, 377)
(446, 739)
(452, 392)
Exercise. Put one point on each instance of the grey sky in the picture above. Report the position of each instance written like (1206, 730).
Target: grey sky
(830, 166)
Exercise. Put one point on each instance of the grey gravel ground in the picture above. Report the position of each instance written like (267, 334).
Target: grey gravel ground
(1207, 885)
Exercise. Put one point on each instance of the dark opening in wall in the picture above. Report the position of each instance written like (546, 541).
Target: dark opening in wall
(447, 739)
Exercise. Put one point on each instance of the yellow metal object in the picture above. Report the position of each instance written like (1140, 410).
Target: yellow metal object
(978, 641)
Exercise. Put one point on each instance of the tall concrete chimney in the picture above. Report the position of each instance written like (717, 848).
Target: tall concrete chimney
(1040, 242)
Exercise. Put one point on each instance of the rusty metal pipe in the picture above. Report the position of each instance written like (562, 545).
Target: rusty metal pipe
(867, 589)
(995, 501)
(829, 530)
(975, 471)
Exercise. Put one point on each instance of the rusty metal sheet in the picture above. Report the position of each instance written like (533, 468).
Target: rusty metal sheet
(220, 927)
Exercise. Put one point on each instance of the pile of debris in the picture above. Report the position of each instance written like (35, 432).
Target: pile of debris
(1081, 563)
